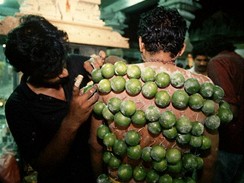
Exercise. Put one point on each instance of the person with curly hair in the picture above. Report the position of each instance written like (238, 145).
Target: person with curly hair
(48, 110)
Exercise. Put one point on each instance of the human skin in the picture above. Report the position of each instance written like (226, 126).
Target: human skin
(147, 139)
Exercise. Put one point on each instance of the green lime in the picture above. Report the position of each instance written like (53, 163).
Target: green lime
(102, 130)
(106, 156)
(192, 86)
(149, 89)
(133, 71)
(162, 79)
(173, 155)
(196, 101)
(218, 93)
(127, 107)
(118, 84)
(208, 107)
(107, 114)
(134, 152)
(183, 139)
(98, 108)
(207, 89)
(200, 162)
(139, 173)
(175, 168)
(103, 178)
(132, 137)
(87, 87)
(167, 119)
(189, 162)
(152, 176)
(225, 115)
(114, 104)
(183, 124)
(196, 141)
(206, 143)
(139, 118)
(121, 120)
(104, 86)
(212, 122)
(133, 86)
(177, 79)
(158, 152)
(152, 113)
(162, 98)
(107, 70)
(154, 128)
(146, 154)
(224, 104)
(120, 68)
(197, 128)
(148, 74)
(125, 172)
(160, 166)
(170, 133)
(96, 75)
(189, 180)
(178, 180)
(114, 162)
(180, 99)
(165, 178)
(109, 139)
(119, 147)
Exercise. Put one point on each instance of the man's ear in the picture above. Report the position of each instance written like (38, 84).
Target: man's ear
(141, 44)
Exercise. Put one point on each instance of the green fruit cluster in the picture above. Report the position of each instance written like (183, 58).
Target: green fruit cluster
(170, 164)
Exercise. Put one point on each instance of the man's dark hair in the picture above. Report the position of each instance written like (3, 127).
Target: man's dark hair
(37, 48)
(162, 29)
(199, 48)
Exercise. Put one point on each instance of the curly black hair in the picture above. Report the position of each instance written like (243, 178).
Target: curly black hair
(37, 48)
(162, 29)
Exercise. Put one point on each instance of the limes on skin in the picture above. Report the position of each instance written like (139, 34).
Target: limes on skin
(118, 84)
(139, 118)
(132, 137)
(125, 172)
(133, 71)
(177, 79)
(189, 162)
(170, 133)
(180, 99)
(192, 86)
(96, 75)
(206, 143)
(152, 113)
(152, 176)
(225, 115)
(107, 114)
(175, 168)
(167, 119)
(160, 166)
(107, 70)
(102, 130)
(119, 147)
(196, 141)
(114, 104)
(149, 89)
(196, 101)
(127, 107)
(134, 152)
(121, 120)
(154, 128)
(218, 93)
(207, 89)
(146, 154)
(208, 107)
(98, 108)
(120, 68)
(212, 122)
(158, 152)
(162, 98)
(106, 156)
(109, 139)
(162, 80)
(197, 128)
(173, 155)
(183, 139)
(165, 178)
(183, 124)
(104, 86)
(139, 173)
(103, 178)
(114, 162)
(148, 74)
(133, 86)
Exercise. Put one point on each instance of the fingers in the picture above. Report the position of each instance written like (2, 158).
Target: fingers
(95, 62)
(77, 84)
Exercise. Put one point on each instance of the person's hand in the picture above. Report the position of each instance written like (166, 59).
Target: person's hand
(82, 102)
(95, 62)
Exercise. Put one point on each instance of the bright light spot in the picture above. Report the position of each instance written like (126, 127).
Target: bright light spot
(1, 1)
